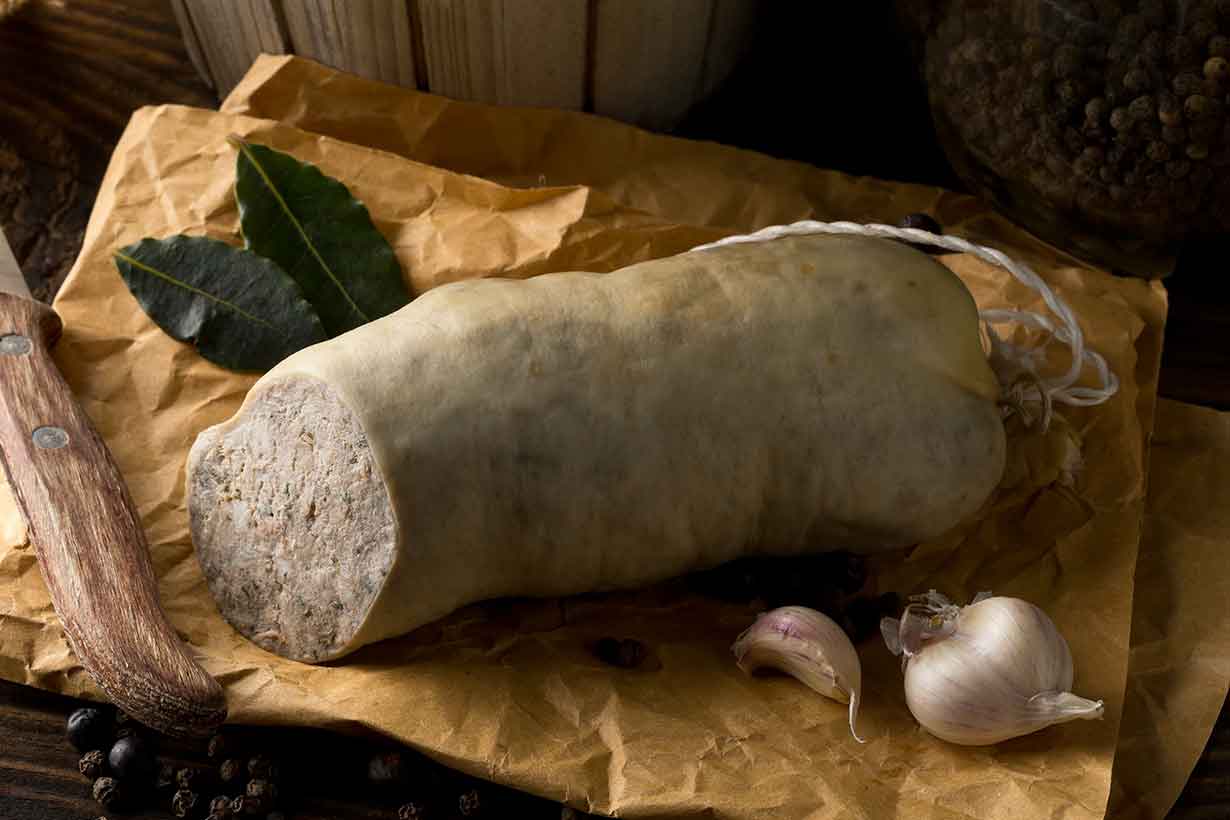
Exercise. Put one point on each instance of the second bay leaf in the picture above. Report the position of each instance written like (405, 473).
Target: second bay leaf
(241, 310)
(311, 225)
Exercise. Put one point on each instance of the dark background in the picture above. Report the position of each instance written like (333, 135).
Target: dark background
(831, 84)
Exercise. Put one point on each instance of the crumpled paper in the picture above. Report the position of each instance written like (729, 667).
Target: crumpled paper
(1179, 667)
(508, 690)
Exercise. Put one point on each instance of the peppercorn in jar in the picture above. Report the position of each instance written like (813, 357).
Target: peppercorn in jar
(1102, 126)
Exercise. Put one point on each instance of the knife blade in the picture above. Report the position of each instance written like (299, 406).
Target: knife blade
(11, 280)
(86, 534)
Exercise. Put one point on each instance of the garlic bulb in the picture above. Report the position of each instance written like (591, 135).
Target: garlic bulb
(806, 645)
(987, 672)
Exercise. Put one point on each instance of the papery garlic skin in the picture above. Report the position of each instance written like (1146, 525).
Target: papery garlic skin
(1001, 671)
(808, 646)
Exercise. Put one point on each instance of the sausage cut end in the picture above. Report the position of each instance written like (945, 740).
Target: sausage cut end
(292, 520)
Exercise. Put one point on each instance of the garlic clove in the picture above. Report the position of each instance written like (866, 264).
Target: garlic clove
(810, 647)
(987, 672)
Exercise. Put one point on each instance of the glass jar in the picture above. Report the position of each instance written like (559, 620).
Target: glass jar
(1101, 126)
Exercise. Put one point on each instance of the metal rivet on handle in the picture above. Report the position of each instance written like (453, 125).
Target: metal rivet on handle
(50, 438)
(14, 344)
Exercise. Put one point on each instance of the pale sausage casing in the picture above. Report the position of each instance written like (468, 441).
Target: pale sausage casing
(575, 432)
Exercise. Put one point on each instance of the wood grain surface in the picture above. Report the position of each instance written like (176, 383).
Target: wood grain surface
(89, 541)
(74, 70)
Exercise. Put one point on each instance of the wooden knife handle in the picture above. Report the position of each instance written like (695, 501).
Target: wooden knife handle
(88, 539)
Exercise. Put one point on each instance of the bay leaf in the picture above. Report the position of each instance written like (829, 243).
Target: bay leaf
(241, 310)
(307, 222)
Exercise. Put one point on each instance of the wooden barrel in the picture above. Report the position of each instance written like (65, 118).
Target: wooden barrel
(642, 61)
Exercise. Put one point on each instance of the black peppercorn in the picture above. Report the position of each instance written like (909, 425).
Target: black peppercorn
(1174, 135)
(631, 654)
(1169, 111)
(263, 792)
(626, 654)
(242, 805)
(1142, 108)
(92, 764)
(125, 723)
(132, 760)
(889, 604)
(1195, 106)
(89, 728)
(1197, 151)
(920, 221)
(1085, 167)
(469, 804)
(1158, 151)
(1201, 31)
(851, 569)
(1219, 46)
(217, 748)
(569, 813)
(165, 780)
(193, 778)
(1187, 84)
(1128, 141)
(232, 772)
(387, 767)
(1217, 68)
(108, 792)
(184, 803)
(861, 619)
(1068, 92)
(261, 767)
(1120, 119)
(1178, 168)
(220, 808)
(412, 811)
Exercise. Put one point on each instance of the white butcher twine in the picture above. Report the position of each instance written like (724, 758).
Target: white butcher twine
(1021, 360)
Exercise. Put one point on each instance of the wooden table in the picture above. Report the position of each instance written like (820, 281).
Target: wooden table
(72, 72)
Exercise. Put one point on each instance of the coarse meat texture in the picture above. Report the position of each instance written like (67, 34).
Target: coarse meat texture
(302, 517)
(576, 432)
